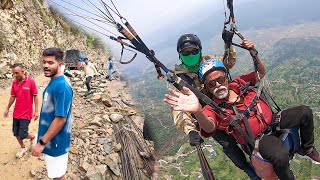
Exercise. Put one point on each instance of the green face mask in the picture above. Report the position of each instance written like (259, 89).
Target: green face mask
(193, 69)
(191, 62)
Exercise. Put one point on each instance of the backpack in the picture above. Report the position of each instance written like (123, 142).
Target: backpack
(262, 167)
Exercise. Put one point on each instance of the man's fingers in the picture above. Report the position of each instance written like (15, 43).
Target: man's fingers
(176, 93)
(170, 97)
(247, 43)
(171, 102)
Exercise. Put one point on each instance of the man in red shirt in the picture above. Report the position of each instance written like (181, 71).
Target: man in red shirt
(24, 92)
(233, 101)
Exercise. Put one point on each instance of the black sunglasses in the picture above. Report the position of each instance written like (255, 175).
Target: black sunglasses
(187, 53)
(213, 83)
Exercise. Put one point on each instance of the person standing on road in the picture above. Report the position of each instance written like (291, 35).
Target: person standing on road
(24, 92)
(110, 68)
(90, 72)
(54, 133)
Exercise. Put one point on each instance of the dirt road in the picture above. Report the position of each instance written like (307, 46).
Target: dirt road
(12, 168)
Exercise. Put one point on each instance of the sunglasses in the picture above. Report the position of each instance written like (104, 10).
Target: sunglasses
(213, 83)
(187, 53)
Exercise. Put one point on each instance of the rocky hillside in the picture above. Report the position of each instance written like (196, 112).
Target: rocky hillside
(29, 26)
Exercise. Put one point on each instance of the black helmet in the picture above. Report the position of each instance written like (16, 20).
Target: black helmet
(188, 39)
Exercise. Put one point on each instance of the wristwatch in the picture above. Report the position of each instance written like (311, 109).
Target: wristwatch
(42, 142)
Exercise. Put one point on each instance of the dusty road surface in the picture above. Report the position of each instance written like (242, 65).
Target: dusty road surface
(12, 168)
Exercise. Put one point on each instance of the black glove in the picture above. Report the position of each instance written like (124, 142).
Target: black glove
(195, 138)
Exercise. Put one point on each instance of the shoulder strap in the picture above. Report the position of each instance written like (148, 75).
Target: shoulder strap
(244, 114)
(245, 121)
(235, 124)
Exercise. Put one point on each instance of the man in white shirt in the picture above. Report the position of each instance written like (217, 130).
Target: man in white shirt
(90, 71)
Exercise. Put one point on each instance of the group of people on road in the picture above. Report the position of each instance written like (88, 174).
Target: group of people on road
(54, 129)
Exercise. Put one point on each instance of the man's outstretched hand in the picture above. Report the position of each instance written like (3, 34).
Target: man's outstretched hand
(183, 102)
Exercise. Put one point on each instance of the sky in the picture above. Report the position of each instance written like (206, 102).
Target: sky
(146, 16)
(153, 20)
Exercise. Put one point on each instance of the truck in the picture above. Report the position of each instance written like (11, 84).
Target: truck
(73, 57)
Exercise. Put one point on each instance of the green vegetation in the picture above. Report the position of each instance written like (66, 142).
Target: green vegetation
(296, 68)
(93, 41)
(148, 93)
(18, 2)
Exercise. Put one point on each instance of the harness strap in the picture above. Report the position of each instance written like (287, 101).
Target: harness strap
(255, 101)
(234, 120)
(276, 122)
(275, 105)
(235, 124)
(257, 141)
(126, 62)
(243, 89)
(245, 121)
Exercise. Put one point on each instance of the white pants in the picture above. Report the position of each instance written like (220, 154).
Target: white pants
(56, 166)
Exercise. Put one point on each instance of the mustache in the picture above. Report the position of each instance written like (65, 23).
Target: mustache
(46, 69)
(220, 88)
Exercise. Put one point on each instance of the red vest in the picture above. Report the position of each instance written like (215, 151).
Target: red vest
(222, 122)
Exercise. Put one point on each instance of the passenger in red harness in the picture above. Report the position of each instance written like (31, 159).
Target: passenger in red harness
(229, 96)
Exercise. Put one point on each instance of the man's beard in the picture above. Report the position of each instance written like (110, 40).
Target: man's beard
(221, 92)
(53, 73)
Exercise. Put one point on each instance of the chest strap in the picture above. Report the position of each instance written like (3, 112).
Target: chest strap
(245, 121)
(235, 120)
(234, 123)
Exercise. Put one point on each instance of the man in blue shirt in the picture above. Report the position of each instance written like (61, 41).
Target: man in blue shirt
(110, 68)
(54, 132)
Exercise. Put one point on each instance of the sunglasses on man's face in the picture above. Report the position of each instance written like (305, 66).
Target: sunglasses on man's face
(213, 83)
(187, 53)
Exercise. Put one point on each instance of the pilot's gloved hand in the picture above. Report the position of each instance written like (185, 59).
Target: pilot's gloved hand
(227, 36)
(195, 138)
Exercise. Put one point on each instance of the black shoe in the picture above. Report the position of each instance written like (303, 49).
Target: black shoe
(87, 93)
